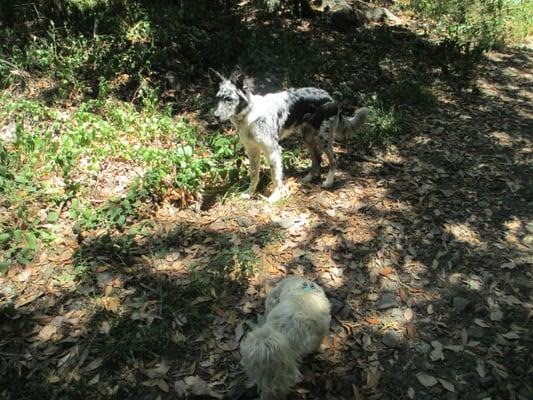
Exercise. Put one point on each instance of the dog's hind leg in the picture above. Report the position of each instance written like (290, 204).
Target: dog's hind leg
(311, 143)
(254, 157)
(328, 149)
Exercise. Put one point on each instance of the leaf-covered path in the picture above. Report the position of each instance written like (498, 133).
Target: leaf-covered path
(428, 268)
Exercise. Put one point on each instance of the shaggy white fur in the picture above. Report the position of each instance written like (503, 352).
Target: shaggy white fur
(297, 319)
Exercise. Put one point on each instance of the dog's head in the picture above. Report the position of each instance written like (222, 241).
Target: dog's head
(233, 94)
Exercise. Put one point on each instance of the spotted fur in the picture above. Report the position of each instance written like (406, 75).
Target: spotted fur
(262, 121)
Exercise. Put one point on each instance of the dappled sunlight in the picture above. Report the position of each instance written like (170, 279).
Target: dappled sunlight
(518, 233)
(502, 138)
(133, 268)
(464, 232)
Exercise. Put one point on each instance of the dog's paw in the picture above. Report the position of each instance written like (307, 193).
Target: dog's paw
(246, 195)
(275, 196)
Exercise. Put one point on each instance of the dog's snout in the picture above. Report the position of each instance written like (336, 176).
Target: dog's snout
(217, 116)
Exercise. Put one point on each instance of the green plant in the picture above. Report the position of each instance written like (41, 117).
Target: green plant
(478, 23)
(385, 122)
(56, 156)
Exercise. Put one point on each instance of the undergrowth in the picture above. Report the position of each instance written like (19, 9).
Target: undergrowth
(52, 160)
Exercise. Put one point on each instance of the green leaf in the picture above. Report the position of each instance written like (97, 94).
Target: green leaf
(121, 220)
(4, 266)
(52, 216)
(31, 240)
(4, 237)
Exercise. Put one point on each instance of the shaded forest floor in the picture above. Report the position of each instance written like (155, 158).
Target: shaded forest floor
(427, 266)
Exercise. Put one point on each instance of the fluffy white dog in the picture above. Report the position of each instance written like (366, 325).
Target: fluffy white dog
(297, 319)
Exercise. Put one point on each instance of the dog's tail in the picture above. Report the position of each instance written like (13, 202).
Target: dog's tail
(347, 126)
(269, 360)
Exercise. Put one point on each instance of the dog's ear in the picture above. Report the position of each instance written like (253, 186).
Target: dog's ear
(241, 81)
(212, 74)
(237, 77)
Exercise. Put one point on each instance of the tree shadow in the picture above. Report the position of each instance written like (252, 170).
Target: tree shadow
(141, 306)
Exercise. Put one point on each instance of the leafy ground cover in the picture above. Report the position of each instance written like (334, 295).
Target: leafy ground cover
(114, 286)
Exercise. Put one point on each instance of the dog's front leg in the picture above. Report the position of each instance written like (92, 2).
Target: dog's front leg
(254, 157)
(276, 173)
(332, 166)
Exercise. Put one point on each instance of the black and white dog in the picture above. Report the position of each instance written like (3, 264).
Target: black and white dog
(262, 121)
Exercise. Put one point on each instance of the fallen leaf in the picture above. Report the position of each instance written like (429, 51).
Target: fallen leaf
(411, 393)
(356, 394)
(180, 387)
(197, 385)
(372, 378)
(386, 271)
(480, 368)
(159, 371)
(105, 327)
(496, 314)
(481, 323)
(367, 342)
(109, 303)
(511, 335)
(178, 337)
(436, 353)
(454, 347)
(447, 385)
(163, 385)
(48, 332)
(94, 380)
(372, 320)
(94, 364)
(508, 265)
(499, 369)
(25, 274)
(228, 346)
(426, 380)
(403, 295)
(464, 336)
(410, 330)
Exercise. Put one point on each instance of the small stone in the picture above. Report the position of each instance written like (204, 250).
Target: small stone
(391, 339)
(388, 300)
(460, 303)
